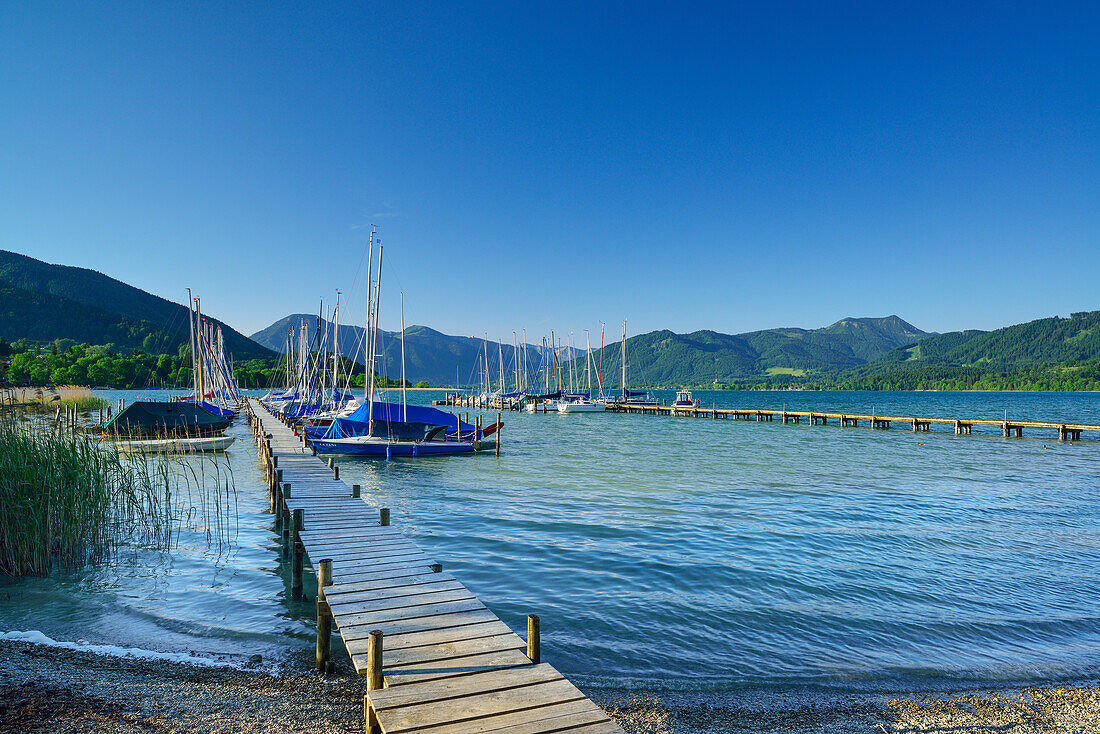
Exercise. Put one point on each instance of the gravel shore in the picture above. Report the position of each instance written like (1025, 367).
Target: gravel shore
(46, 689)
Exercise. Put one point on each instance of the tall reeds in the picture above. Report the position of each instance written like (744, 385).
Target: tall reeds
(50, 399)
(68, 499)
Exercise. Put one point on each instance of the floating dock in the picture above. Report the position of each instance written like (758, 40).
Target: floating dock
(1065, 431)
(436, 659)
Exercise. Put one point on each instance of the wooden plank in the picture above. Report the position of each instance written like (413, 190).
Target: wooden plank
(452, 651)
(420, 624)
(580, 715)
(366, 549)
(410, 603)
(359, 575)
(386, 582)
(393, 592)
(379, 619)
(439, 637)
(407, 674)
(366, 562)
(341, 577)
(390, 699)
(435, 712)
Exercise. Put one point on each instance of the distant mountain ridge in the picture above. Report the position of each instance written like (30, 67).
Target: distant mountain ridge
(664, 358)
(657, 358)
(430, 355)
(88, 306)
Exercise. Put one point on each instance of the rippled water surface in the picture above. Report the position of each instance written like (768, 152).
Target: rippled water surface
(719, 553)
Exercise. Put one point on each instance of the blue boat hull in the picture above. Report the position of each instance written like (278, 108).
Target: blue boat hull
(389, 449)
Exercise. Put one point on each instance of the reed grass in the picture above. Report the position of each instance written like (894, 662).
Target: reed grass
(50, 399)
(68, 499)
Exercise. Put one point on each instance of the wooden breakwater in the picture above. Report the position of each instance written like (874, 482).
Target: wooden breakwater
(436, 659)
(962, 426)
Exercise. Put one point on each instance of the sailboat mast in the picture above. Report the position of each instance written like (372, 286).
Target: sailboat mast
(588, 366)
(624, 359)
(374, 344)
(191, 343)
(336, 348)
(404, 399)
(370, 302)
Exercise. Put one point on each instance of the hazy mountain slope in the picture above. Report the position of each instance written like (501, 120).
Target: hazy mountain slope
(96, 290)
(438, 358)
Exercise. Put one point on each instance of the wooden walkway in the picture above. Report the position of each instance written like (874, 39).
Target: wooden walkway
(448, 665)
(1065, 431)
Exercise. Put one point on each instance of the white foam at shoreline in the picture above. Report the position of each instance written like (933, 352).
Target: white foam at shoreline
(37, 638)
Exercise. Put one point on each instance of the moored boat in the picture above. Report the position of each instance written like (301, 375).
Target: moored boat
(177, 445)
(684, 401)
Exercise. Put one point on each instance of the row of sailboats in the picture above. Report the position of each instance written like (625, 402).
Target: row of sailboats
(193, 423)
(372, 426)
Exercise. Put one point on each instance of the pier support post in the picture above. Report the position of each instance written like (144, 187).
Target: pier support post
(336, 473)
(324, 615)
(958, 427)
(384, 516)
(374, 661)
(355, 490)
(299, 553)
(498, 434)
(534, 641)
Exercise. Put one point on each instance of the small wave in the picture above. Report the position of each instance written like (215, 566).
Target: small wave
(134, 653)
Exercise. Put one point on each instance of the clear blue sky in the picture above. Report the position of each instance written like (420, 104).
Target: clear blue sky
(731, 166)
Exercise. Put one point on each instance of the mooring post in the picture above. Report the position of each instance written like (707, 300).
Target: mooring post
(324, 615)
(336, 472)
(330, 462)
(533, 640)
(374, 661)
(384, 516)
(499, 426)
(299, 552)
(356, 490)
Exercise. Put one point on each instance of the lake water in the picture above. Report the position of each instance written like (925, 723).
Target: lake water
(688, 554)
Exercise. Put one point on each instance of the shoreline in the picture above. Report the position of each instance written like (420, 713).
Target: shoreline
(50, 689)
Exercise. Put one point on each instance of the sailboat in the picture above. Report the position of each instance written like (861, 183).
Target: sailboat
(192, 424)
(383, 429)
(630, 397)
(583, 403)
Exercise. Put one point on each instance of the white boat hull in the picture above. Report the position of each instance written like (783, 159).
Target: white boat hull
(174, 445)
(582, 407)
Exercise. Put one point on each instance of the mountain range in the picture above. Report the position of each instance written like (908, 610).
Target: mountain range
(43, 302)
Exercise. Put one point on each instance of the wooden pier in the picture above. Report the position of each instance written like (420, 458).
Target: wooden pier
(436, 659)
(1009, 428)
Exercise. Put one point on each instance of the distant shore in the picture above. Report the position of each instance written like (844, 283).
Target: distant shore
(46, 689)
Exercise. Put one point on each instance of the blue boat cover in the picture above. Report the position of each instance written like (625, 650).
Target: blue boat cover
(635, 393)
(358, 423)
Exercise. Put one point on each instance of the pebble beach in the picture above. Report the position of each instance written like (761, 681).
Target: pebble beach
(47, 689)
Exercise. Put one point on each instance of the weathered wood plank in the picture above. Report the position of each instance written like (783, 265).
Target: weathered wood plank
(443, 636)
(416, 717)
(393, 592)
(578, 715)
(475, 683)
(400, 604)
(379, 619)
(420, 624)
(412, 579)
(423, 672)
